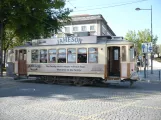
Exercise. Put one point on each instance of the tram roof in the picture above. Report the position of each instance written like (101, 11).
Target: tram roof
(111, 40)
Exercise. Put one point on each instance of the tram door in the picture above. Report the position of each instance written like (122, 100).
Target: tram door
(22, 59)
(114, 61)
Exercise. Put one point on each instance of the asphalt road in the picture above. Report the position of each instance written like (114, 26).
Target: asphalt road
(31, 101)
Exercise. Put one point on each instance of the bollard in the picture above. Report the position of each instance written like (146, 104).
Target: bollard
(159, 74)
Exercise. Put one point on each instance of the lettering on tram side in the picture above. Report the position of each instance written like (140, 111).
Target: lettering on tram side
(84, 68)
(69, 40)
(97, 69)
(67, 68)
(34, 66)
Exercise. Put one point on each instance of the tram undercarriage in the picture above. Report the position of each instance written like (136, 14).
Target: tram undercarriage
(78, 81)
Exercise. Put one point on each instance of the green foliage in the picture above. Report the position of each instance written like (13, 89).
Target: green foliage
(158, 49)
(10, 39)
(31, 19)
(157, 59)
(140, 37)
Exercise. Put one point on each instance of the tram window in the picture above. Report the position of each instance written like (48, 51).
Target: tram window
(20, 55)
(71, 55)
(123, 53)
(34, 56)
(43, 56)
(82, 55)
(116, 54)
(16, 55)
(52, 56)
(93, 55)
(132, 55)
(62, 55)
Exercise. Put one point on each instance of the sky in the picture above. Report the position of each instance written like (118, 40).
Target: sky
(122, 18)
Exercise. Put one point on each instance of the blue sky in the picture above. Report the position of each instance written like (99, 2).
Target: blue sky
(122, 18)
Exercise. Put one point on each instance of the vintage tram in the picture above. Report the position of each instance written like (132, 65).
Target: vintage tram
(78, 60)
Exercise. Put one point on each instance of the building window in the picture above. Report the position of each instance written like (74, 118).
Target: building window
(82, 55)
(84, 28)
(43, 56)
(93, 55)
(92, 27)
(67, 29)
(104, 31)
(34, 56)
(52, 56)
(71, 55)
(62, 55)
(75, 28)
(123, 53)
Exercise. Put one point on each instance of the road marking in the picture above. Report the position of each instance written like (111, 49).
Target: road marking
(107, 111)
(8, 86)
(148, 107)
(92, 115)
(116, 108)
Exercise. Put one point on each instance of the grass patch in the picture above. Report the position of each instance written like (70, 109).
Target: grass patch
(158, 59)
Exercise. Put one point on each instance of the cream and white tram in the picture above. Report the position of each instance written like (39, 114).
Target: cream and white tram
(81, 60)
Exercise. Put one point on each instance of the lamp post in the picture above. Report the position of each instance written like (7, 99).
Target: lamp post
(151, 36)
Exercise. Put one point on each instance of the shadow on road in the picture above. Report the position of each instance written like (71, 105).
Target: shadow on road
(68, 92)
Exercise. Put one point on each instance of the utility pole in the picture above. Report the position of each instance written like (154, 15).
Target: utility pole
(144, 65)
(152, 43)
(1, 39)
(138, 9)
(1, 48)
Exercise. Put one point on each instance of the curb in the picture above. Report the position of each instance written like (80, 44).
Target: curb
(3, 78)
(151, 81)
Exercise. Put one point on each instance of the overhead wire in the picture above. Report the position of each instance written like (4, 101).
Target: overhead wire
(112, 6)
(109, 4)
(71, 4)
(94, 9)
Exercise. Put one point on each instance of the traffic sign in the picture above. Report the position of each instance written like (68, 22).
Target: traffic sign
(147, 47)
(150, 48)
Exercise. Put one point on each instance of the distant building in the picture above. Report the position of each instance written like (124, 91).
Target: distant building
(86, 25)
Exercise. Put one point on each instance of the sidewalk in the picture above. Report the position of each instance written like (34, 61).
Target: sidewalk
(5, 77)
(151, 77)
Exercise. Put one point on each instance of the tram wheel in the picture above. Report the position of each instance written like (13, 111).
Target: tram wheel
(78, 81)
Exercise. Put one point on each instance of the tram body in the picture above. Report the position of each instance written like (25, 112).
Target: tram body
(84, 59)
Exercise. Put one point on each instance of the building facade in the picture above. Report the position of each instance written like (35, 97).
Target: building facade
(86, 25)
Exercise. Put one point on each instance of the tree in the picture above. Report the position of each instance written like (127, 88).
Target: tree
(158, 50)
(140, 37)
(31, 19)
(10, 40)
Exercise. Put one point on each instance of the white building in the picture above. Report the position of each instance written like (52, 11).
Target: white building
(84, 25)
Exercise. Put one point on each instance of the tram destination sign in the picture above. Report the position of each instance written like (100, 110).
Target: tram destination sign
(65, 40)
(69, 40)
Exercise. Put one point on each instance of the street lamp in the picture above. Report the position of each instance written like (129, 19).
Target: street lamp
(138, 9)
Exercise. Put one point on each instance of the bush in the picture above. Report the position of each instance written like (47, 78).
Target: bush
(157, 59)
